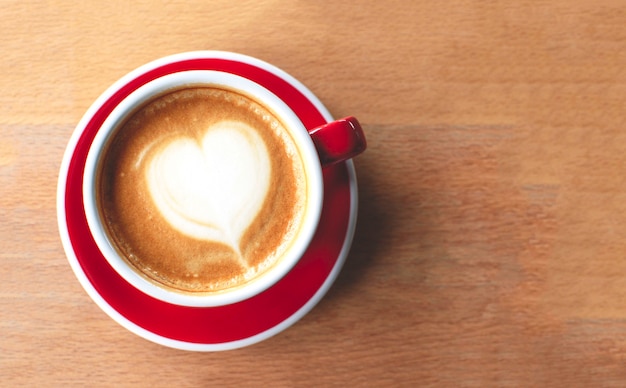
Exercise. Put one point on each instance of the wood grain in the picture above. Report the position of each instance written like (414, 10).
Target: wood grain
(491, 241)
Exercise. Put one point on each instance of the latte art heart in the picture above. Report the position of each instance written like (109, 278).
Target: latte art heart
(212, 189)
(203, 190)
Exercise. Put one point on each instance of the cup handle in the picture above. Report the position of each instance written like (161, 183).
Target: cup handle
(338, 140)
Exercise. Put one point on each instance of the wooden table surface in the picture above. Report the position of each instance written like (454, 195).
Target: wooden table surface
(491, 241)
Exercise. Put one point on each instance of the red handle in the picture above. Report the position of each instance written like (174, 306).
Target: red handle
(338, 140)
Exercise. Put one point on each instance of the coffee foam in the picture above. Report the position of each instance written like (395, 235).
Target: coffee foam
(202, 190)
(213, 189)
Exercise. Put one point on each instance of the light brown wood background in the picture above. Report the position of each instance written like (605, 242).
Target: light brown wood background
(491, 242)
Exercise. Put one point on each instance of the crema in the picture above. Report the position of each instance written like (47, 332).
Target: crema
(202, 190)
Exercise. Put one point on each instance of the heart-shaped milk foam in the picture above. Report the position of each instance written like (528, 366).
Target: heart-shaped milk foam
(212, 188)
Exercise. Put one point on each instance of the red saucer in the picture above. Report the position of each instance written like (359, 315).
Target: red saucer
(208, 328)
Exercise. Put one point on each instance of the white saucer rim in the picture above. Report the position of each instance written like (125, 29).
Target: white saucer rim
(135, 328)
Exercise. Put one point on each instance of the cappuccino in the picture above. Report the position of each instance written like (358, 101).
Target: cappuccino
(202, 190)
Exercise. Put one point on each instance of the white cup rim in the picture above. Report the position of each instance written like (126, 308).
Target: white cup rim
(234, 82)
